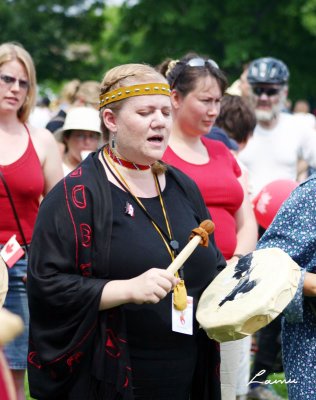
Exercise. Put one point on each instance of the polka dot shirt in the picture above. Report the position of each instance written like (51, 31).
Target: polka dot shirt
(294, 231)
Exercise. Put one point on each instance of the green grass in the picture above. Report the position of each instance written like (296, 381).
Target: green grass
(280, 388)
(27, 393)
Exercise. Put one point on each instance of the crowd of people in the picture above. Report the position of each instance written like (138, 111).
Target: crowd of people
(100, 196)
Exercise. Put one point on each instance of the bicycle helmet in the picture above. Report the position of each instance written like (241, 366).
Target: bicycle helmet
(268, 70)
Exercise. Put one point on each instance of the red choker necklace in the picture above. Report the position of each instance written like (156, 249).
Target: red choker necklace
(123, 162)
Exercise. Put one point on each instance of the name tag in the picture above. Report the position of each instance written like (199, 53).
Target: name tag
(182, 321)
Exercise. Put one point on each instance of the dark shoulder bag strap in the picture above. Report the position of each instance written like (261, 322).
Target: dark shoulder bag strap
(6, 187)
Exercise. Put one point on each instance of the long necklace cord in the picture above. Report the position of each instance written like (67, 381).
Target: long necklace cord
(167, 239)
(180, 292)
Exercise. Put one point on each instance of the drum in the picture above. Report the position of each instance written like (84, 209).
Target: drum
(3, 281)
(248, 295)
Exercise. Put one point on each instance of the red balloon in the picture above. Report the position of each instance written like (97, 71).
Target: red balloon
(267, 203)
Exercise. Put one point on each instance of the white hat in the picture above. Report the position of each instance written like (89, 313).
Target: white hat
(80, 118)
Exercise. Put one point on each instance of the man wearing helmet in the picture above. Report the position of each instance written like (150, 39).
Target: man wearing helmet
(268, 79)
(279, 139)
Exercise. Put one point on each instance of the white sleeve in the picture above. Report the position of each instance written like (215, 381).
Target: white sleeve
(308, 146)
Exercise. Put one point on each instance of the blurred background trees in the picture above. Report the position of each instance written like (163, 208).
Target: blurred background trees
(82, 39)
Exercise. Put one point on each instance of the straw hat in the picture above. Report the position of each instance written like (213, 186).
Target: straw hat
(80, 118)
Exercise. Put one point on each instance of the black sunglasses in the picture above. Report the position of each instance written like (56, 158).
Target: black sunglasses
(10, 80)
(259, 90)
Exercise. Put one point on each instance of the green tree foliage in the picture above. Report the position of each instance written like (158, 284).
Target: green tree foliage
(59, 35)
(232, 32)
(83, 38)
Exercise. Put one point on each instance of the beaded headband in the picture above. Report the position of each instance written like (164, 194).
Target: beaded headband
(135, 90)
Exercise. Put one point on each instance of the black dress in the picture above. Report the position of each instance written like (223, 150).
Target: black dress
(162, 361)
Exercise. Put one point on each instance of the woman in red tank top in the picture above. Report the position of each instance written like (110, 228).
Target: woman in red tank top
(30, 166)
(197, 88)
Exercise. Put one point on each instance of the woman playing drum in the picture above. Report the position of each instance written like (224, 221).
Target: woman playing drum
(105, 315)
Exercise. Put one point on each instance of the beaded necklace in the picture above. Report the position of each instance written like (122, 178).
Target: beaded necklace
(123, 162)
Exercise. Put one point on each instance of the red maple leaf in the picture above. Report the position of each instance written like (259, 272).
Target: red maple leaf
(9, 248)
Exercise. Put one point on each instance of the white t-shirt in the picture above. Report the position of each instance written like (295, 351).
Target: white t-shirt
(40, 117)
(66, 169)
(272, 154)
(306, 118)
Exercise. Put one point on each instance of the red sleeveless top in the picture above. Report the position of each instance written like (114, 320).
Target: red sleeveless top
(25, 180)
(221, 191)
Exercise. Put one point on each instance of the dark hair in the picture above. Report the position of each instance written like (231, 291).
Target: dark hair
(183, 77)
(236, 118)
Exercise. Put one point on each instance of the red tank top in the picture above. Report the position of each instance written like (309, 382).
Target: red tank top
(25, 180)
(218, 183)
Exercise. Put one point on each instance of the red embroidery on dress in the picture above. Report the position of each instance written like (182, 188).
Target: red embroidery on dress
(79, 196)
(85, 269)
(33, 359)
(83, 339)
(126, 382)
(74, 358)
(72, 219)
(76, 173)
(111, 347)
(85, 231)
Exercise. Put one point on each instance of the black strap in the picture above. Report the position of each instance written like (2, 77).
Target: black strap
(14, 212)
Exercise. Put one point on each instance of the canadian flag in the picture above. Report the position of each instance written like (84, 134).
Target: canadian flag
(11, 252)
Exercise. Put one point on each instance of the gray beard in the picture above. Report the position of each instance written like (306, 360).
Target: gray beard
(266, 116)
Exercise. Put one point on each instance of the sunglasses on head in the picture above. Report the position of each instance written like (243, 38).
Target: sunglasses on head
(259, 90)
(10, 80)
(200, 62)
(195, 62)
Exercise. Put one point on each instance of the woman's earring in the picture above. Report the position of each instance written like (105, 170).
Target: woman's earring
(113, 141)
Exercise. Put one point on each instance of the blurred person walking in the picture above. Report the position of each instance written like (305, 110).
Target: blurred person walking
(41, 114)
(74, 94)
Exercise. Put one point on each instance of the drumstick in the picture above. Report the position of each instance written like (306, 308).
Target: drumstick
(198, 236)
